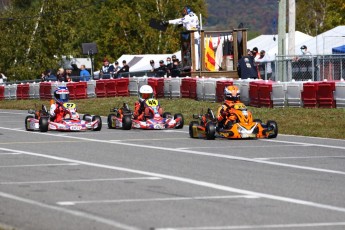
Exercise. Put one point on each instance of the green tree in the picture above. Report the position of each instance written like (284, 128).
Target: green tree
(317, 16)
(36, 34)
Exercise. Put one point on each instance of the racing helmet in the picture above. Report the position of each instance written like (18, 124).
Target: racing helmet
(145, 92)
(61, 94)
(186, 10)
(231, 93)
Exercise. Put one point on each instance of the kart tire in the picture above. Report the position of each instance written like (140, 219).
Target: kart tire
(275, 129)
(110, 120)
(127, 122)
(27, 124)
(179, 115)
(87, 117)
(43, 124)
(210, 131)
(166, 114)
(99, 127)
(191, 124)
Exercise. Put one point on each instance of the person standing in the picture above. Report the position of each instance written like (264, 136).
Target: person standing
(117, 68)
(84, 74)
(3, 78)
(124, 70)
(264, 65)
(107, 69)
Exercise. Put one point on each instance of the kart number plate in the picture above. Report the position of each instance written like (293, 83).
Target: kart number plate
(248, 135)
(74, 128)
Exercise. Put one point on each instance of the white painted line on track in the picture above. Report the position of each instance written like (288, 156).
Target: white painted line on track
(301, 143)
(81, 180)
(38, 165)
(230, 157)
(268, 226)
(85, 215)
(155, 199)
(301, 157)
(190, 181)
(9, 153)
(239, 147)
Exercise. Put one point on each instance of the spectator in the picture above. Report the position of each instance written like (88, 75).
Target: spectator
(162, 70)
(169, 65)
(84, 74)
(116, 69)
(305, 51)
(61, 75)
(124, 69)
(152, 64)
(264, 65)
(3, 78)
(107, 69)
(246, 68)
(69, 74)
(48, 76)
(175, 70)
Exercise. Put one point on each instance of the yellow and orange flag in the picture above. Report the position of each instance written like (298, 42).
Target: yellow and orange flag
(210, 62)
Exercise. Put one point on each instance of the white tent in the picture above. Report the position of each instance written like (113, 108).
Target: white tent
(323, 43)
(267, 43)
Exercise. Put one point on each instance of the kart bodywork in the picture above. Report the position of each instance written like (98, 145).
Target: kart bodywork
(41, 121)
(245, 127)
(122, 118)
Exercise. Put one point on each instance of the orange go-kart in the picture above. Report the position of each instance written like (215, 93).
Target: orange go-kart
(243, 127)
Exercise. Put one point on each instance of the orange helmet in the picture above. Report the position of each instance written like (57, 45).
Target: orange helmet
(231, 93)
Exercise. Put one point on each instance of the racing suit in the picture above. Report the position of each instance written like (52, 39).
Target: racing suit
(225, 115)
(142, 112)
(56, 112)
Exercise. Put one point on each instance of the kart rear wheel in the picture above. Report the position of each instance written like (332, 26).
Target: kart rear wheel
(191, 124)
(27, 125)
(43, 124)
(127, 122)
(179, 115)
(166, 114)
(99, 119)
(210, 131)
(111, 117)
(272, 125)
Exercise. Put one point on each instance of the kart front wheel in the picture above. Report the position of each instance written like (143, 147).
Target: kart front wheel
(191, 125)
(43, 124)
(27, 124)
(111, 117)
(99, 119)
(127, 122)
(273, 126)
(210, 131)
(180, 125)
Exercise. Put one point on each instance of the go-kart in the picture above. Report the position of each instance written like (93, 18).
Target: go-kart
(123, 118)
(41, 120)
(244, 127)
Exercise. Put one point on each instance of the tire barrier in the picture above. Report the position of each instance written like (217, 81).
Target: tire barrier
(257, 93)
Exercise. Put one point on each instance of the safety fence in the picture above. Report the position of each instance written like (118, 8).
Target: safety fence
(304, 68)
(257, 93)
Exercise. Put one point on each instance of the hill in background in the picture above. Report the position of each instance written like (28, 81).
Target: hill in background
(259, 17)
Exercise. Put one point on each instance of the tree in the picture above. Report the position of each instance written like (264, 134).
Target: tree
(36, 34)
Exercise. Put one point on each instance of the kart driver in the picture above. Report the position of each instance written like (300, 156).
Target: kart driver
(141, 111)
(225, 115)
(57, 112)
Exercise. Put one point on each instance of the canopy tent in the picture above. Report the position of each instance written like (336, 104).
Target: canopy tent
(338, 50)
(270, 45)
(323, 43)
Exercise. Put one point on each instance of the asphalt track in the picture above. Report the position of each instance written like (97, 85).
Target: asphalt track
(145, 179)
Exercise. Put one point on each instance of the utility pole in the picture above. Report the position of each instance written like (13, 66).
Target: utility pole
(281, 73)
(292, 26)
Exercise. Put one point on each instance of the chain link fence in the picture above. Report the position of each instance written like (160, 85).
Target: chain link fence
(305, 68)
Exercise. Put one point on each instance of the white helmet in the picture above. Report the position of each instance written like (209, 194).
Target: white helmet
(145, 92)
